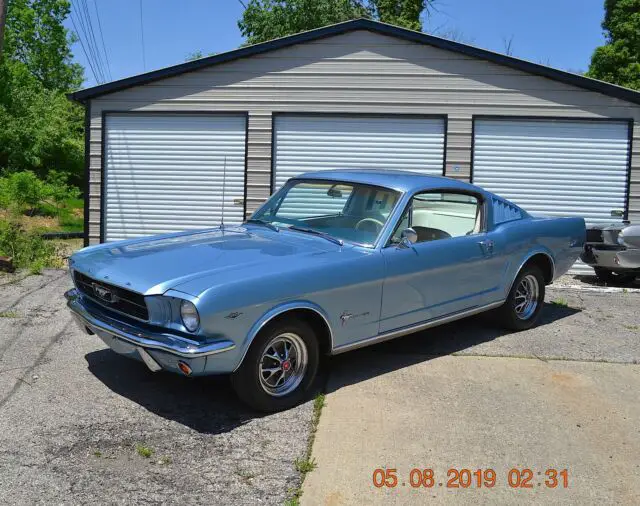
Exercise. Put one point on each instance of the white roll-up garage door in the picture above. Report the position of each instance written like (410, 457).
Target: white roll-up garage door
(164, 173)
(308, 143)
(555, 167)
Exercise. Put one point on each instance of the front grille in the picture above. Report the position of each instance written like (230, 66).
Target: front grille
(112, 297)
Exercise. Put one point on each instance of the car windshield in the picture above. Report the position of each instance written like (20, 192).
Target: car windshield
(351, 212)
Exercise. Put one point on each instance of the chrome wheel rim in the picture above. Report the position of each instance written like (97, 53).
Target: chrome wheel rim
(526, 297)
(283, 364)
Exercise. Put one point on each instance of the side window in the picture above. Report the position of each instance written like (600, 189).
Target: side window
(440, 215)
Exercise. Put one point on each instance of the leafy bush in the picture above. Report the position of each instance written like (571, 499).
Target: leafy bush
(27, 249)
(24, 192)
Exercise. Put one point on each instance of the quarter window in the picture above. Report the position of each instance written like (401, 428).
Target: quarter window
(436, 216)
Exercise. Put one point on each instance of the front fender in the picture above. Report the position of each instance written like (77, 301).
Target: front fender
(276, 311)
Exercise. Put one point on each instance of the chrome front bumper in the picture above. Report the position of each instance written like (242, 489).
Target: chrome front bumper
(166, 350)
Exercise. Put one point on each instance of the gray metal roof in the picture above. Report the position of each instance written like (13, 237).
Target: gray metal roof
(372, 26)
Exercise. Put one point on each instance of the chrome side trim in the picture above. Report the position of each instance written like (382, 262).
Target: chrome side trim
(277, 311)
(415, 328)
(169, 343)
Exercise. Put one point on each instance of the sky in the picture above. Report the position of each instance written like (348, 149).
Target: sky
(559, 33)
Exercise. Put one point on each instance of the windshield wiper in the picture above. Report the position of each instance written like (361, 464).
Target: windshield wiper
(262, 222)
(324, 235)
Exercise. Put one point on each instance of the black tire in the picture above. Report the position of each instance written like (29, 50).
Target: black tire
(246, 379)
(507, 314)
(614, 278)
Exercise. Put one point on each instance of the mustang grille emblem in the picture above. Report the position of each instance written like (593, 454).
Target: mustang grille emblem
(104, 293)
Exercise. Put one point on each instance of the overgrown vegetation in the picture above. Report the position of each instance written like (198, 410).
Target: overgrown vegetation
(30, 206)
(27, 249)
(41, 133)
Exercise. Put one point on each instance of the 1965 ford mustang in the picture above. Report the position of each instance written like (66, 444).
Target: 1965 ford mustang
(333, 261)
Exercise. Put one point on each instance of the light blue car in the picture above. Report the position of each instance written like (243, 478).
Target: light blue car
(333, 261)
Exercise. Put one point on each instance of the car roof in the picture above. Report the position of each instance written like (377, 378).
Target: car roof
(401, 180)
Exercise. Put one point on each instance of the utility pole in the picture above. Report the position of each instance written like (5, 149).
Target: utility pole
(3, 20)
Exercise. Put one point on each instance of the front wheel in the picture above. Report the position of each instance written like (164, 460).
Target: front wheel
(278, 371)
(523, 306)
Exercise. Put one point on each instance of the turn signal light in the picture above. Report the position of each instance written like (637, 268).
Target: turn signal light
(186, 370)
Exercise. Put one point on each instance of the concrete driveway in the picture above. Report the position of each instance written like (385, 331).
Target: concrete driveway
(76, 420)
(565, 395)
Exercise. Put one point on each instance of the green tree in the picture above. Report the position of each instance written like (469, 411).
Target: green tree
(618, 61)
(265, 20)
(40, 129)
(36, 37)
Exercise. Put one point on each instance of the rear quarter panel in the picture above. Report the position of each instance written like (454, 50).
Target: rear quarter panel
(562, 239)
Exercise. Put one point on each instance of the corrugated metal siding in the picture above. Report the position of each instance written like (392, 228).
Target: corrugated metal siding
(360, 72)
(309, 143)
(165, 173)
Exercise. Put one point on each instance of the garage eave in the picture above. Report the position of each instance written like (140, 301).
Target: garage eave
(361, 24)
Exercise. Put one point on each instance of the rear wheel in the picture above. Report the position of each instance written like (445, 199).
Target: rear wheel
(523, 306)
(614, 278)
(278, 371)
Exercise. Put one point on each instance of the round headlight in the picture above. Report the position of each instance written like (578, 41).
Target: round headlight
(190, 317)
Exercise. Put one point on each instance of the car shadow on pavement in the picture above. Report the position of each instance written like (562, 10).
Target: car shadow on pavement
(366, 363)
(205, 404)
(594, 281)
(209, 405)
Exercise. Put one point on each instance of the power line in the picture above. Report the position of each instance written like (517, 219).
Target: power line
(104, 46)
(144, 60)
(243, 4)
(91, 38)
(86, 54)
(90, 50)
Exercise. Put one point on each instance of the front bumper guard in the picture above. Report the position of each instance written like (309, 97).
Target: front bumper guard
(168, 343)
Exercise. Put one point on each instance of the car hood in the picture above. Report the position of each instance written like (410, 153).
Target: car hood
(154, 265)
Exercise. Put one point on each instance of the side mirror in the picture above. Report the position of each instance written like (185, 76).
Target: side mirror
(408, 237)
(334, 193)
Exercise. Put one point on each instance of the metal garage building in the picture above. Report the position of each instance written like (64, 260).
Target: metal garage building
(356, 94)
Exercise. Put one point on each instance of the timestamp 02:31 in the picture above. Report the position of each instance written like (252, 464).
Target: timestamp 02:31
(518, 478)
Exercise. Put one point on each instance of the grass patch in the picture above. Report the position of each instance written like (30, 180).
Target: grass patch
(632, 327)
(144, 451)
(164, 460)
(97, 453)
(560, 302)
(9, 314)
(307, 464)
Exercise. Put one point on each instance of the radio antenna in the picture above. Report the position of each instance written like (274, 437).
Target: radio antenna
(224, 184)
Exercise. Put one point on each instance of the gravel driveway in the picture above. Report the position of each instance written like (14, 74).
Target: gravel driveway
(75, 418)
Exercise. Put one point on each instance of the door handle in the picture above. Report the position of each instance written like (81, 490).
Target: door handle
(487, 246)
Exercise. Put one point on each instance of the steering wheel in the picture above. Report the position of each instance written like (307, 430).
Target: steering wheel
(376, 223)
